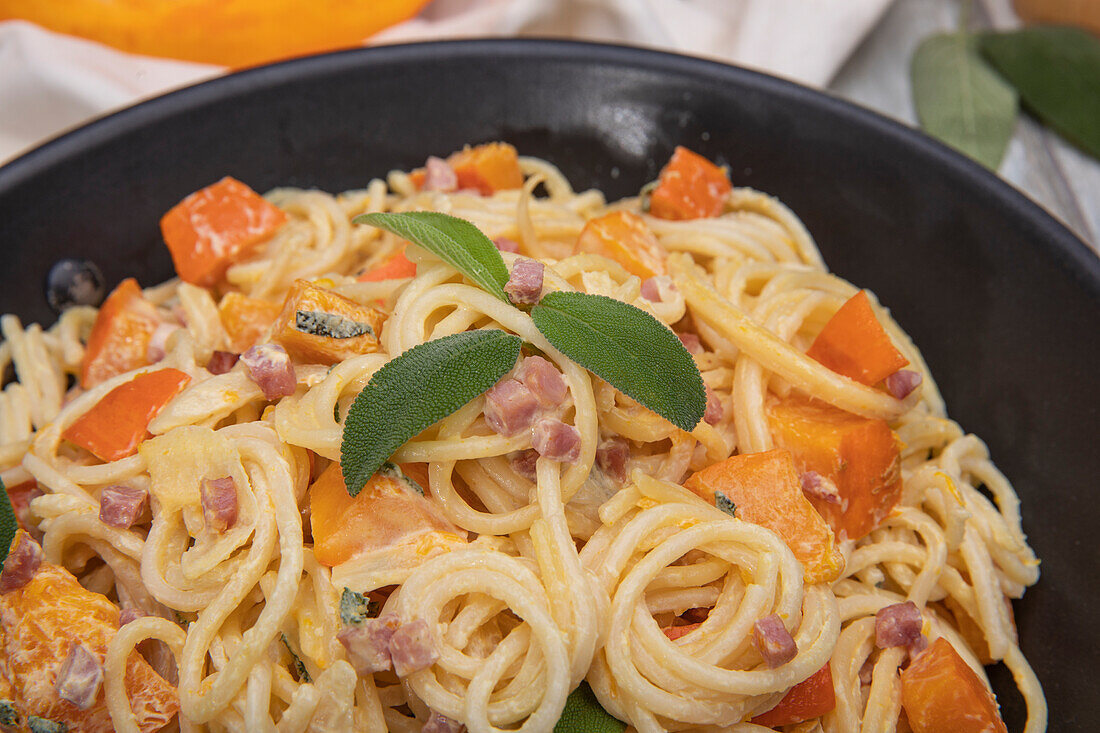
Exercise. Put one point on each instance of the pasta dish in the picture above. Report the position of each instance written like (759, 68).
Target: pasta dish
(468, 449)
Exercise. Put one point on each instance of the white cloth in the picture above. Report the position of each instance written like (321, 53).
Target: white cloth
(50, 82)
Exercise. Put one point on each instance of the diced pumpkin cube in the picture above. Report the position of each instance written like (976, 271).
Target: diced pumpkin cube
(388, 511)
(396, 267)
(811, 698)
(116, 425)
(855, 344)
(765, 490)
(940, 693)
(39, 624)
(215, 227)
(860, 455)
(246, 319)
(689, 187)
(321, 326)
(487, 168)
(120, 336)
(625, 238)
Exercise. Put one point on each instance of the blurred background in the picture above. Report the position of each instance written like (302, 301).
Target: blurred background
(1015, 84)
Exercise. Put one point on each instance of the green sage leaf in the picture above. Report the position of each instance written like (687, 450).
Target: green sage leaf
(456, 241)
(584, 714)
(724, 503)
(1056, 70)
(296, 661)
(417, 389)
(9, 525)
(628, 348)
(355, 608)
(960, 100)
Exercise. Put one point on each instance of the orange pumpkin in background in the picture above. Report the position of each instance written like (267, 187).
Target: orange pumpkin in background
(231, 33)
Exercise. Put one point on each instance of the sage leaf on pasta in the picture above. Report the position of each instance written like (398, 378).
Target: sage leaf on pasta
(456, 241)
(417, 389)
(628, 348)
(960, 100)
(1056, 70)
(9, 525)
(584, 714)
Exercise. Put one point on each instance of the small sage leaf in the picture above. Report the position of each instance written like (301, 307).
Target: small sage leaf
(9, 525)
(299, 665)
(392, 470)
(355, 608)
(1056, 70)
(584, 714)
(456, 241)
(628, 348)
(960, 100)
(417, 389)
(723, 502)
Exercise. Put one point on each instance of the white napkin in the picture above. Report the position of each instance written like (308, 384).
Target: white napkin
(50, 82)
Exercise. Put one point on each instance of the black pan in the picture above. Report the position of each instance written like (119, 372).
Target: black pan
(1004, 301)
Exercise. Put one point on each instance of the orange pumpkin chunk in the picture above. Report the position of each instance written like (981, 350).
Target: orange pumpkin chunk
(120, 336)
(319, 325)
(625, 238)
(766, 491)
(116, 425)
(396, 267)
(387, 512)
(216, 226)
(860, 455)
(246, 319)
(689, 187)
(811, 698)
(487, 168)
(855, 344)
(940, 693)
(38, 630)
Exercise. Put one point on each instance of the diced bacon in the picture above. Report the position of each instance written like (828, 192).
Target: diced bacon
(902, 382)
(773, 641)
(439, 175)
(510, 407)
(523, 462)
(918, 645)
(129, 614)
(816, 486)
(525, 281)
(544, 380)
(504, 244)
(21, 563)
(867, 672)
(650, 291)
(611, 456)
(271, 368)
(158, 342)
(691, 342)
(221, 362)
(441, 724)
(120, 506)
(368, 643)
(80, 677)
(897, 625)
(219, 503)
(714, 412)
(557, 441)
(675, 632)
(411, 648)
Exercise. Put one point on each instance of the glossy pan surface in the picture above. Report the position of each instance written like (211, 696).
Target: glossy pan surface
(1003, 301)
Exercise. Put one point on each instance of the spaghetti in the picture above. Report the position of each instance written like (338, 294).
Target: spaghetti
(533, 577)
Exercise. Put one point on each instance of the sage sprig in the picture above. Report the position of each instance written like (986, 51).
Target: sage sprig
(584, 714)
(622, 344)
(628, 348)
(417, 389)
(9, 525)
(456, 241)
